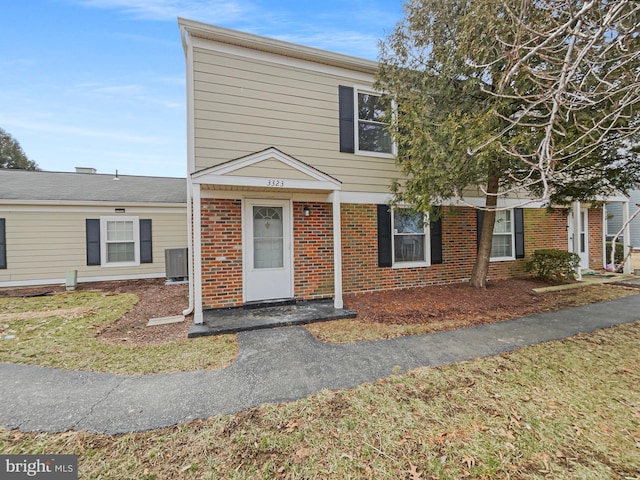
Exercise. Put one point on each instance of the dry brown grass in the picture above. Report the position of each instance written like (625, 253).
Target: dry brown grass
(564, 410)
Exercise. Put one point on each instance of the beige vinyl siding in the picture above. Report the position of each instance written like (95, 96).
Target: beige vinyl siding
(271, 169)
(43, 245)
(244, 105)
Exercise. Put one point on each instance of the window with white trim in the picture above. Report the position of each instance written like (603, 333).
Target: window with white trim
(410, 238)
(120, 241)
(502, 247)
(371, 134)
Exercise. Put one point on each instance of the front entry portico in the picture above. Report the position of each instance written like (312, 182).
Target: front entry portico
(244, 232)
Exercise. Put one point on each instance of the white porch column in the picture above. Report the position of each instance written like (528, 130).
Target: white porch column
(626, 236)
(197, 255)
(337, 251)
(577, 228)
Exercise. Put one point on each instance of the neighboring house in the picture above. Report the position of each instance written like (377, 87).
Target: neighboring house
(289, 169)
(615, 215)
(105, 227)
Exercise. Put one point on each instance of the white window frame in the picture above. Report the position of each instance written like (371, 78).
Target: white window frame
(103, 241)
(357, 90)
(512, 234)
(427, 244)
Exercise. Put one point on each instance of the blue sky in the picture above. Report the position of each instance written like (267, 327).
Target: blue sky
(101, 83)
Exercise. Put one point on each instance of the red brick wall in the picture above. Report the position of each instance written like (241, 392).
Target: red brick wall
(543, 229)
(595, 238)
(313, 249)
(221, 253)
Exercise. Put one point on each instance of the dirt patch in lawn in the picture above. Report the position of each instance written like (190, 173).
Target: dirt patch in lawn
(421, 310)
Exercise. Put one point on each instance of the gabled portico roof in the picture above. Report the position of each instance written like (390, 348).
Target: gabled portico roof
(268, 169)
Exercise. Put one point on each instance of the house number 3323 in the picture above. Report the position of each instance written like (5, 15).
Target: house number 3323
(275, 183)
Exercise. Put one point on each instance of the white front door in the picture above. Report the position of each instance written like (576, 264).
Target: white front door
(583, 236)
(268, 239)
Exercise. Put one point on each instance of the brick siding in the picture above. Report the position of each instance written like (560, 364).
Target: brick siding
(313, 249)
(221, 253)
(595, 238)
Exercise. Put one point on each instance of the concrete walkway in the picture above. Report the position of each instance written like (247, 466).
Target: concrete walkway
(272, 366)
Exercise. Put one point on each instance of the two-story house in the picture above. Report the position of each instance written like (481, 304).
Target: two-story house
(289, 169)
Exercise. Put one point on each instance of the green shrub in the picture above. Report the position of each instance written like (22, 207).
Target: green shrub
(554, 265)
(618, 256)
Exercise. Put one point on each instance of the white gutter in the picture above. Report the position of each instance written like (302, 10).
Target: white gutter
(190, 162)
(189, 309)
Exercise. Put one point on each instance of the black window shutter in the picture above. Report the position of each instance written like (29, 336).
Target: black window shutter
(345, 101)
(479, 220)
(384, 236)
(93, 241)
(146, 246)
(519, 231)
(435, 232)
(3, 244)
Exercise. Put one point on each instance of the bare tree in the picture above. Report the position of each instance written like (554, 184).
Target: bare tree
(574, 67)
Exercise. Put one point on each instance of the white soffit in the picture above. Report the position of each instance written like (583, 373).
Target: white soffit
(247, 172)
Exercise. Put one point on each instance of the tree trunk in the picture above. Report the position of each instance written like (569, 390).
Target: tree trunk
(481, 267)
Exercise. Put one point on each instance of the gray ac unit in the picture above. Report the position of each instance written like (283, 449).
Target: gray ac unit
(176, 263)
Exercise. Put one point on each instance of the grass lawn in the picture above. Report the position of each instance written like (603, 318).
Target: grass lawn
(564, 410)
(59, 331)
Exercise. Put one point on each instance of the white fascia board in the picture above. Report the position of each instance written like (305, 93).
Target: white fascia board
(98, 208)
(260, 182)
(480, 202)
(612, 198)
(365, 198)
(202, 32)
(95, 203)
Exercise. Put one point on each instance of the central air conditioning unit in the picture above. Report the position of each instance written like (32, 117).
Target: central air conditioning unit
(176, 263)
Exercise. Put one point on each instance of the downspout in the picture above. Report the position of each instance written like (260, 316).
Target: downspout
(576, 235)
(337, 252)
(190, 162)
(189, 309)
(605, 231)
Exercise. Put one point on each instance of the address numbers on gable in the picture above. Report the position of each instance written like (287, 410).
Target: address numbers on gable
(272, 182)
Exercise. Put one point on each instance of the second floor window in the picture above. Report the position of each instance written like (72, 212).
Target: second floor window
(372, 135)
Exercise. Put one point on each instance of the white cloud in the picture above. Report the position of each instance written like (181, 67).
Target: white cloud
(259, 18)
(352, 43)
(75, 131)
(220, 10)
(135, 93)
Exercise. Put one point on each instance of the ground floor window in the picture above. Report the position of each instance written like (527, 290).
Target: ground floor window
(120, 237)
(409, 238)
(503, 239)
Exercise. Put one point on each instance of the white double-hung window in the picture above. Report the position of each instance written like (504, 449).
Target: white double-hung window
(503, 247)
(120, 239)
(410, 239)
(372, 136)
